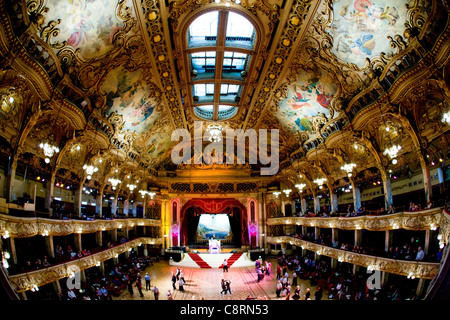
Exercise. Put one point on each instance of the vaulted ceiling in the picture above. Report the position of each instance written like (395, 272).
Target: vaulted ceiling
(113, 79)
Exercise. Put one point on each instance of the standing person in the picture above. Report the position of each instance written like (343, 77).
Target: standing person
(169, 295)
(139, 286)
(174, 279)
(279, 287)
(288, 291)
(268, 268)
(147, 281)
(296, 295)
(318, 293)
(155, 291)
(225, 265)
(294, 279)
(178, 273)
(181, 284)
(130, 287)
(258, 272)
(228, 286)
(224, 287)
(278, 272)
(307, 294)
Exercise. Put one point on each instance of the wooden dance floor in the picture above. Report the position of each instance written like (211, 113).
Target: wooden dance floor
(205, 284)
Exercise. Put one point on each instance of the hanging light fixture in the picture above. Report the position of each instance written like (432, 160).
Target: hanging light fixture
(392, 152)
(131, 187)
(287, 191)
(49, 150)
(151, 194)
(90, 169)
(446, 117)
(348, 167)
(277, 193)
(300, 186)
(320, 181)
(114, 182)
(215, 132)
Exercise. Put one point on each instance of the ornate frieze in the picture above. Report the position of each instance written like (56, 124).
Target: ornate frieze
(424, 270)
(18, 227)
(26, 281)
(421, 220)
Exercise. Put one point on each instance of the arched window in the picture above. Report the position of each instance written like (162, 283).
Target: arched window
(219, 47)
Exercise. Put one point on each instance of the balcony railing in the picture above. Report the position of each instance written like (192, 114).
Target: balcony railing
(20, 227)
(26, 281)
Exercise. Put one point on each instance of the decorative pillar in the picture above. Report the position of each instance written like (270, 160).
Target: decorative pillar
(428, 237)
(388, 239)
(49, 246)
(356, 195)
(125, 207)
(78, 198)
(49, 187)
(114, 204)
(77, 241)
(12, 247)
(420, 287)
(316, 204)
(133, 208)
(114, 235)
(304, 230)
(262, 212)
(304, 205)
(358, 237)
(441, 181)
(316, 233)
(334, 201)
(99, 238)
(334, 234)
(426, 177)
(98, 204)
(11, 176)
(387, 189)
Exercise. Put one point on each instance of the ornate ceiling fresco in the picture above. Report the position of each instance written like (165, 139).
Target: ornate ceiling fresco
(115, 77)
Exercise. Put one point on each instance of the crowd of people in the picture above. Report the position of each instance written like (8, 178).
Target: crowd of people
(336, 284)
(124, 276)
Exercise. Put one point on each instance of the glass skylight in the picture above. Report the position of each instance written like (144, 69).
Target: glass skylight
(240, 32)
(203, 31)
(203, 62)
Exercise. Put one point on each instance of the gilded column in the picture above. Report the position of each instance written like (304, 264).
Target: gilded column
(356, 195)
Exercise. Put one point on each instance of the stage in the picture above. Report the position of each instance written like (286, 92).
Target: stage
(204, 259)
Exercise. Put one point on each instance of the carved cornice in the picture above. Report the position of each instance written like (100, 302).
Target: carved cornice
(26, 281)
(421, 220)
(18, 227)
(424, 270)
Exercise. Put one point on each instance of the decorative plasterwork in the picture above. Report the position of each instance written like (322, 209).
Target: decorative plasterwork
(29, 227)
(423, 220)
(26, 281)
(421, 270)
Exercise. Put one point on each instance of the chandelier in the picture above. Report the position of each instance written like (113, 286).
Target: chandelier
(300, 186)
(392, 152)
(348, 167)
(228, 2)
(49, 150)
(446, 117)
(320, 181)
(114, 182)
(287, 191)
(90, 169)
(215, 132)
(145, 192)
(277, 193)
(131, 187)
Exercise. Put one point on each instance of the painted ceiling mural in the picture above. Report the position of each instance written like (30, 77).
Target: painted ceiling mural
(309, 96)
(87, 25)
(360, 28)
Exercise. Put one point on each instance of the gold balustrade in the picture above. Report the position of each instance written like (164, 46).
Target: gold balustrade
(20, 227)
(425, 270)
(26, 281)
(418, 220)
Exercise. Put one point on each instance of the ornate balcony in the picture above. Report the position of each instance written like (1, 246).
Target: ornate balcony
(26, 281)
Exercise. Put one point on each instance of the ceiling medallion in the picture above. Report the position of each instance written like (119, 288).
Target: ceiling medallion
(215, 132)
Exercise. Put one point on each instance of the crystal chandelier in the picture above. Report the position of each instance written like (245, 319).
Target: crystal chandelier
(277, 193)
(392, 152)
(49, 150)
(215, 132)
(90, 169)
(287, 191)
(131, 187)
(114, 182)
(348, 167)
(320, 181)
(300, 186)
(446, 117)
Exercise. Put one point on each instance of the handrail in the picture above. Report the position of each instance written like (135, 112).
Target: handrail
(26, 281)
(418, 269)
(24, 227)
(410, 220)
